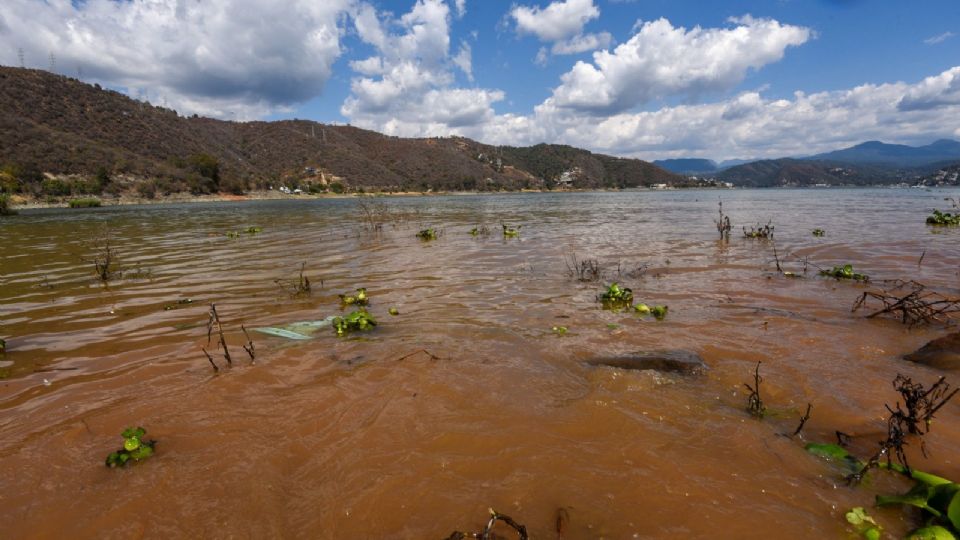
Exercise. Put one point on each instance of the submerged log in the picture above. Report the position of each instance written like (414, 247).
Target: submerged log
(941, 353)
(670, 361)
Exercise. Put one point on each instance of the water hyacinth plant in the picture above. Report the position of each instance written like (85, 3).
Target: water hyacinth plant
(357, 321)
(844, 272)
(819, 232)
(511, 232)
(360, 299)
(134, 448)
(428, 234)
(616, 297)
(943, 218)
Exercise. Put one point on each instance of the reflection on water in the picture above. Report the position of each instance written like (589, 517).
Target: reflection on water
(359, 438)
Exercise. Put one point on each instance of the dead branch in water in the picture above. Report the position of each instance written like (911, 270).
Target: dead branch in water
(210, 359)
(723, 224)
(214, 318)
(414, 353)
(754, 404)
(921, 405)
(249, 347)
(584, 270)
(912, 303)
(299, 287)
(487, 533)
(803, 420)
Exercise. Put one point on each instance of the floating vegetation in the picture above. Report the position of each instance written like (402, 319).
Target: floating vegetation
(765, 231)
(298, 287)
(482, 230)
(3, 346)
(911, 302)
(723, 224)
(755, 405)
(178, 304)
(659, 312)
(357, 321)
(844, 272)
(559, 330)
(428, 234)
(943, 218)
(248, 230)
(819, 232)
(134, 448)
(511, 232)
(360, 299)
(90, 202)
(616, 297)
(865, 525)
(488, 534)
(393, 311)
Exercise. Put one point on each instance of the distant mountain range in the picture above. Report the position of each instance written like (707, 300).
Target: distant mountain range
(872, 162)
(55, 124)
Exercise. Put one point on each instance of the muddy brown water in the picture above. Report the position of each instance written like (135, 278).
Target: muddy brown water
(359, 438)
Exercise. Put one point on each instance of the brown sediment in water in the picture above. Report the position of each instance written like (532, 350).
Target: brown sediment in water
(357, 438)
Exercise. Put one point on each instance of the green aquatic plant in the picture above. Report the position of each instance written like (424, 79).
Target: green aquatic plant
(428, 234)
(511, 232)
(134, 448)
(866, 525)
(89, 202)
(819, 232)
(559, 330)
(657, 311)
(765, 231)
(177, 304)
(482, 230)
(248, 230)
(943, 218)
(616, 297)
(844, 272)
(3, 346)
(357, 321)
(253, 230)
(360, 299)
(393, 311)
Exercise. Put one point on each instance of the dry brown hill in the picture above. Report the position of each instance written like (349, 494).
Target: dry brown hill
(55, 124)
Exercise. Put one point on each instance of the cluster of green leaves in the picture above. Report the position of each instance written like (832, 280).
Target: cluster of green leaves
(480, 231)
(360, 299)
(134, 447)
(760, 231)
(657, 311)
(428, 234)
(616, 297)
(88, 202)
(393, 311)
(943, 218)
(357, 321)
(511, 232)
(559, 330)
(938, 498)
(844, 272)
(819, 232)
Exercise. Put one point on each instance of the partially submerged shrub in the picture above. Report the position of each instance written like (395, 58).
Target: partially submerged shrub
(511, 232)
(357, 321)
(943, 218)
(482, 230)
(844, 272)
(765, 231)
(134, 448)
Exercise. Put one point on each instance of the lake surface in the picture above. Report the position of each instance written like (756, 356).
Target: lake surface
(467, 399)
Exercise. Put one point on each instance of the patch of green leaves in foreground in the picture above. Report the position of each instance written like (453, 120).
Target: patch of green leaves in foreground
(866, 526)
(359, 299)
(659, 312)
(134, 448)
(937, 498)
(844, 272)
(943, 218)
(359, 320)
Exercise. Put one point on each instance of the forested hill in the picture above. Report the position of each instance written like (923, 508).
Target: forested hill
(58, 125)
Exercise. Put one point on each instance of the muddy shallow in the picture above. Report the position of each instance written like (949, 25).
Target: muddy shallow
(359, 438)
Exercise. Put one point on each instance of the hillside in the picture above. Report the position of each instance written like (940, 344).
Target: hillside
(795, 172)
(897, 155)
(61, 126)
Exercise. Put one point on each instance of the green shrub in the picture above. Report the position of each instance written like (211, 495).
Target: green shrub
(89, 202)
(336, 187)
(5, 209)
(55, 187)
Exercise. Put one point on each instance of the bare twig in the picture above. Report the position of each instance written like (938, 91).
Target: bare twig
(414, 353)
(210, 359)
(754, 404)
(249, 347)
(803, 420)
(911, 302)
(214, 318)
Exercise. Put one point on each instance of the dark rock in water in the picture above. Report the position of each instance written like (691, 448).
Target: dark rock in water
(941, 353)
(683, 362)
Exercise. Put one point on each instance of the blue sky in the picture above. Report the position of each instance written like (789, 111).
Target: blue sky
(642, 78)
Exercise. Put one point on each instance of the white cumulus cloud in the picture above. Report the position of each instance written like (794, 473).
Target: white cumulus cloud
(215, 57)
(561, 23)
(661, 60)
